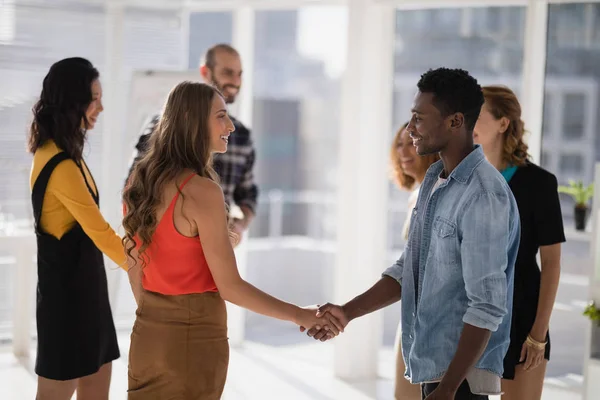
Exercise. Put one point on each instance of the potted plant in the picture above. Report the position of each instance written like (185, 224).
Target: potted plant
(593, 313)
(582, 195)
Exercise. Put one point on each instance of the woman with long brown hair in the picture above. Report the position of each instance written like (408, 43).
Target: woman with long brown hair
(77, 341)
(182, 264)
(500, 131)
(408, 171)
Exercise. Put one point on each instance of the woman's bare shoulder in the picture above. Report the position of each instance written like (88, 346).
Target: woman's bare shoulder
(204, 191)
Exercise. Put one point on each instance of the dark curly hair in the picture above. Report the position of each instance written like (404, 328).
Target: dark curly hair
(60, 110)
(454, 91)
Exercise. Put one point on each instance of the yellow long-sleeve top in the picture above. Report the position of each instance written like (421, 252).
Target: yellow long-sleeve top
(67, 200)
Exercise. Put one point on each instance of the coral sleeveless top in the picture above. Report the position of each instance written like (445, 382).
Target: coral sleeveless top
(175, 264)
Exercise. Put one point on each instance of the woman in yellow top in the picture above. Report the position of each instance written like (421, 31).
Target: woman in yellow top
(77, 340)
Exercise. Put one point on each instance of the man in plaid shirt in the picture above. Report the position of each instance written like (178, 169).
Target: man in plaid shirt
(223, 69)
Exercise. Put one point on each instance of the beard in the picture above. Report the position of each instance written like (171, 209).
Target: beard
(229, 98)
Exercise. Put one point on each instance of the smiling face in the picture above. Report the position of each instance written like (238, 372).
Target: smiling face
(226, 74)
(412, 164)
(428, 129)
(220, 125)
(95, 107)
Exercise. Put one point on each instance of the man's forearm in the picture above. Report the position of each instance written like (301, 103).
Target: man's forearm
(385, 292)
(471, 346)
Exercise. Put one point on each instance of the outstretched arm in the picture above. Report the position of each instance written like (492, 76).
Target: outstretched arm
(206, 207)
(383, 293)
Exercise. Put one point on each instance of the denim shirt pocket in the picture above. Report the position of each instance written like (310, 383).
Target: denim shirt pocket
(445, 246)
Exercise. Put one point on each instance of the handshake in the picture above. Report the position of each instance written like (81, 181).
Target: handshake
(323, 322)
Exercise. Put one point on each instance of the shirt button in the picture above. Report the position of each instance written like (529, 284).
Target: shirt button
(410, 336)
(414, 314)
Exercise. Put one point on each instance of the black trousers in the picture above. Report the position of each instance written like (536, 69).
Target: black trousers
(463, 393)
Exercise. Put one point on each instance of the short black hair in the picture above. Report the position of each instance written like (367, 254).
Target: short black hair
(454, 90)
(211, 54)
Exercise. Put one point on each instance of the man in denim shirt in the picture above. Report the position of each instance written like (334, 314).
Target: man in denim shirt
(455, 276)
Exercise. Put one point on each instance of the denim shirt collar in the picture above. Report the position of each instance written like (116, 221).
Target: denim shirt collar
(463, 170)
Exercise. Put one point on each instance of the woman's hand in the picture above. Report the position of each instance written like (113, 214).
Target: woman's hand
(532, 353)
(307, 319)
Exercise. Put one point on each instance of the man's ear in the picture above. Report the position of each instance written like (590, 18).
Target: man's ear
(204, 71)
(457, 120)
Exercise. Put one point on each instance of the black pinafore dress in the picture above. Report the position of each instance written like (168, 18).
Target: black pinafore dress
(75, 328)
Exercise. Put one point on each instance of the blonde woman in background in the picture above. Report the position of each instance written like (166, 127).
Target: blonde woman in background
(408, 171)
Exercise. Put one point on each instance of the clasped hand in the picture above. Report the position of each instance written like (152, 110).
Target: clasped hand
(324, 322)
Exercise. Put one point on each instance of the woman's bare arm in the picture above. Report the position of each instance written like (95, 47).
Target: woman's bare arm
(550, 276)
(206, 207)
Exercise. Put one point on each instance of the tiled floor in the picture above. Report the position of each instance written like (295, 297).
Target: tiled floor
(297, 372)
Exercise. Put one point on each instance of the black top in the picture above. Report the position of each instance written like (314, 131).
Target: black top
(536, 193)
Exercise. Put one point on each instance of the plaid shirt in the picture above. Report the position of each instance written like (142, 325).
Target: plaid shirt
(233, 167)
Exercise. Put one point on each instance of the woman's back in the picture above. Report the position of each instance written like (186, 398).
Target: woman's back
(175, 259)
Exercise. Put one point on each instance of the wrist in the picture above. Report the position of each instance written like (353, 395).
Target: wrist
(349, 311)
(538, 333)
(296, 315)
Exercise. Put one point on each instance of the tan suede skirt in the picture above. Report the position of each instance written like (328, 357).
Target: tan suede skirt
(179, 348)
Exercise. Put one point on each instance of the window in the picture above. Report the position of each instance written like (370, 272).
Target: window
(7, 21)
(573, 116)
(295, 127)
(570, 164)
(573, 77)
(206, 30)
(546, 158)
(549, 125)
(570, 146)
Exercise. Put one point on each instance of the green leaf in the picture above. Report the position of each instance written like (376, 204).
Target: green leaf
(578, 192)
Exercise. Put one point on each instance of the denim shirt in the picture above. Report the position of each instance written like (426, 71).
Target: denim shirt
(458, 267)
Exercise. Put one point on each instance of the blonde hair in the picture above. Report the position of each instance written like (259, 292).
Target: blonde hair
(180, 141)
(502, 102)
(401, 179)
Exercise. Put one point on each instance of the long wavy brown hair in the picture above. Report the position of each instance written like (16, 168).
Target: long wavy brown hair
(502, 102)
(180, 141)
(401, 179)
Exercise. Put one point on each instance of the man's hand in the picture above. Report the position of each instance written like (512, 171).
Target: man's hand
(337, 312)
(325, 322)
(237, 227)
